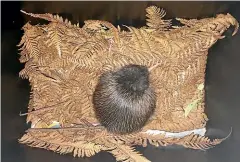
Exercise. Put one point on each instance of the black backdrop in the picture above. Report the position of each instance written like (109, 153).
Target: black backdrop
(222, 77)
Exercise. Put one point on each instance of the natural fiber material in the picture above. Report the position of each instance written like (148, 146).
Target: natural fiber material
(63, 63)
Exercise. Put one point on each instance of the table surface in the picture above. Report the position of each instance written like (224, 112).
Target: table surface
(222, 102)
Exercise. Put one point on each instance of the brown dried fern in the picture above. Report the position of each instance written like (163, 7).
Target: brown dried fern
(127, 154)
(63, 63)
(64, 141)
(59, 145)
(54, 37)
(155, 16)
(29, 42)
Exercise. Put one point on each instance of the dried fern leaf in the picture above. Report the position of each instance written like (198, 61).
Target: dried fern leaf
(155, 16)
(54, 38)
(50, 17)
(29, 42)
(57, 144)
(218, 24)
(119, 146)
(127, 154)
(199, 142)
(96, 25)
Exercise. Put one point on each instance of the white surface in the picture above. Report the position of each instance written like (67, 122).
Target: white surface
(201, 132)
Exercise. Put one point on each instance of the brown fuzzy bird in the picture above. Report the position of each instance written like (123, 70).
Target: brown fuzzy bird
(123, 100)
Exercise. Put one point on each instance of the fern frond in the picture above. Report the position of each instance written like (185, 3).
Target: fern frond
(96, 26)
(29, 42)
(155, 16)
(54, 142)
(139, 41)
(86, 55)
(90, 50)
(24, 56)
(50, 17)
(54, 38)
(29, 70)
(198, 142)
(127, 154)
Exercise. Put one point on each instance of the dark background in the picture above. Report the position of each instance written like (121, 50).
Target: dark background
(222, 77)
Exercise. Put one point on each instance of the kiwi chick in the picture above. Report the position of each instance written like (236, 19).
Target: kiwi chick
(123, 100)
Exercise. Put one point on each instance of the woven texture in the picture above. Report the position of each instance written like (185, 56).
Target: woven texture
(63, 63)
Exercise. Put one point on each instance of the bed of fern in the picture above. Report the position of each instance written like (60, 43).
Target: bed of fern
(63, 62)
